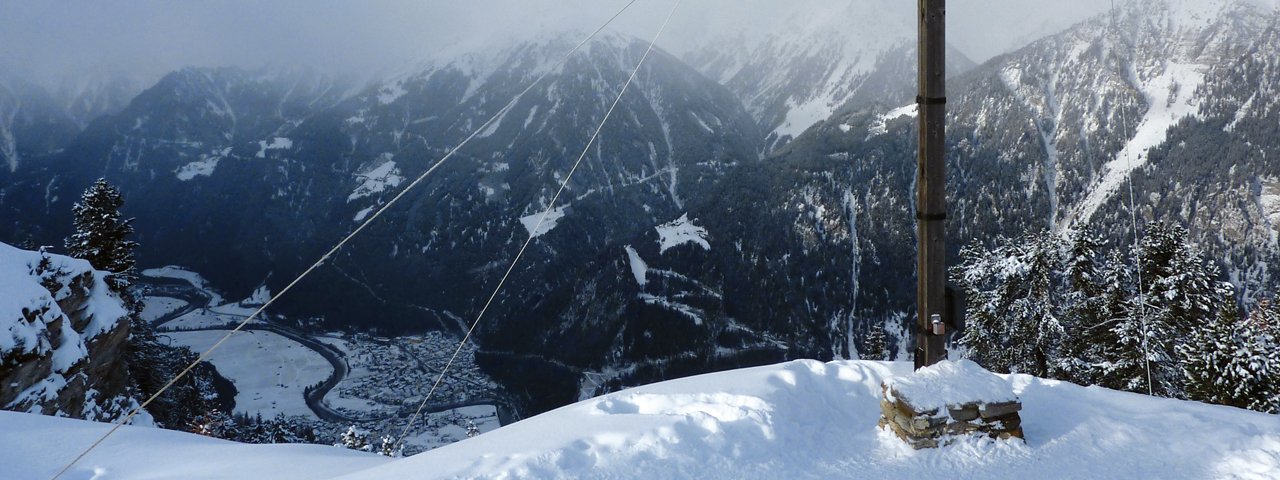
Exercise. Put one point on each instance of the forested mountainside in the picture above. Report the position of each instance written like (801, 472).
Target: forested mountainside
(694, 236)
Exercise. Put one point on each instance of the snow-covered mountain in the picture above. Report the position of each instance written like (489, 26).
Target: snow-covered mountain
(676, 249)
(801, 419)
(312, 158)
(32, 124)
(794, 72)
(105, 90)
(1044, 138)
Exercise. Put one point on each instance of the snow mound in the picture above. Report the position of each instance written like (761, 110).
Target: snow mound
(681, 231)
(802, 419)
(950, 383)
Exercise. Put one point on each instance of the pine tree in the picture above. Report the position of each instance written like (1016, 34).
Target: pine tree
(874, 346)
(390, 448)
(355, 439)
(101, 236)
(1084, 308)
(1180, 294)
(1012, 323)
(1234, 361)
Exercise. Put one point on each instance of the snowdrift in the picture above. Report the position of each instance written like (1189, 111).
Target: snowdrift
(802, 419)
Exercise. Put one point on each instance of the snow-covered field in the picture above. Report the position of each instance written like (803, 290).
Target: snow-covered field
(269, 370)
(801, 419)
(156, 307)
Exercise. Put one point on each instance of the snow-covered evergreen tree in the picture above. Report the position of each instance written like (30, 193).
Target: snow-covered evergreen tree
(1180, 294)
(1012, 324)
(355, 439)
(390, 448)
(1063, 308)
(874, 345)
(1236, 361)
(102, 237)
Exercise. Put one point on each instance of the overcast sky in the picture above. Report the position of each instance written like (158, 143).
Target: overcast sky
(47, 39)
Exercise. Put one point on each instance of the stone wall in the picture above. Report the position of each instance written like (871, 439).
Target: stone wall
(953, 400)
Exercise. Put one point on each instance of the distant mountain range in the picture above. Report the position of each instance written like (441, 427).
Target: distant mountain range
(748, 201)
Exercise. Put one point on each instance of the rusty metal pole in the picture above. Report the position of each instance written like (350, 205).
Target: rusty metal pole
(931, 201)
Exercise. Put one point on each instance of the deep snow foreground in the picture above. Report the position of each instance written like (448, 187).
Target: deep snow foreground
(801, 419)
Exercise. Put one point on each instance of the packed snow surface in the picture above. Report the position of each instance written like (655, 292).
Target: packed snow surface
(268, 370)
(951, 383)
(681, 231)
(35, 447)
(802, 419)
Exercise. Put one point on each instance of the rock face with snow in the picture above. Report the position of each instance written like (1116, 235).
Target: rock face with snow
(62, 338)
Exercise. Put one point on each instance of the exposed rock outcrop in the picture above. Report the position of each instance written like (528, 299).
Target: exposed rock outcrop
(63, 336)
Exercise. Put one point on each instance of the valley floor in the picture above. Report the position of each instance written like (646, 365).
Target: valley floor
(801, 419)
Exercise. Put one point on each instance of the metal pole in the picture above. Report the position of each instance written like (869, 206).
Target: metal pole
(931, 202)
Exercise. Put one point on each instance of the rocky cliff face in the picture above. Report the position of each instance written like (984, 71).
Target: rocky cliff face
(62, 338)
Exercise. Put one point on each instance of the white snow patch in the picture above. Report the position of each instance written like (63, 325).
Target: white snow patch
(639, 269)
(269, 370)
(277, 143)
(1170, 98)
(391, 92)
(553, 217)
(363, 214)
(801, 116)
(681, 231)
(880, 125)
(380, 179)
(203, 167)
(155, 307)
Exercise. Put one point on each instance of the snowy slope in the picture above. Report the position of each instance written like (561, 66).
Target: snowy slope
(801, 419)
(139, 452)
